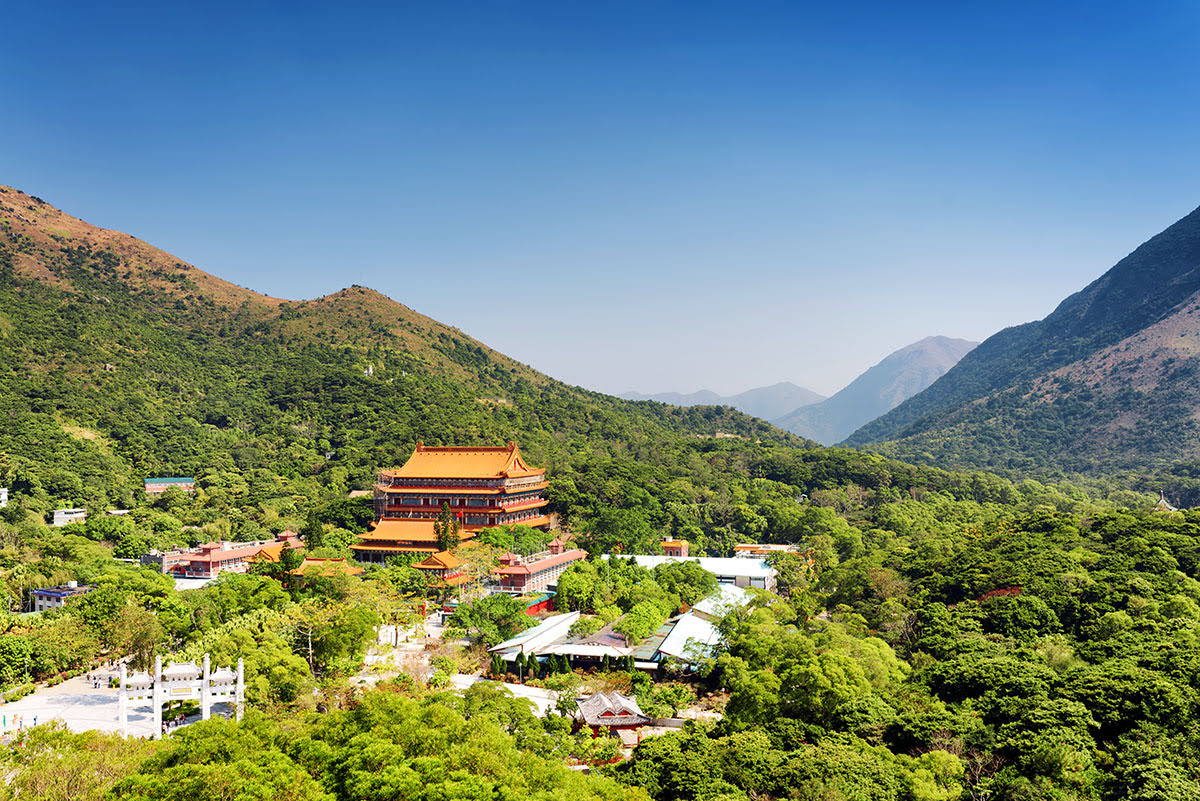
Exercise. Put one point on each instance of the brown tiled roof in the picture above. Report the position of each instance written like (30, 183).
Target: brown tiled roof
(611, 709)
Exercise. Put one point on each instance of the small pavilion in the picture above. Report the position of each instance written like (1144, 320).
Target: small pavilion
(444, 568)
(612, 713)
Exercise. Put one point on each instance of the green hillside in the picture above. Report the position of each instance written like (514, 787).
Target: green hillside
(121, 362)
(1105, 381)
(936, 636)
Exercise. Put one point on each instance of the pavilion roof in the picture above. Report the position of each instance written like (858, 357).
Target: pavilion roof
(442, 560)
(470, 462)
(611, 709)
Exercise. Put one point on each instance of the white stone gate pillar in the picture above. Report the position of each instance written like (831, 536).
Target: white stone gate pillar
(123, 704)
(205, 692)
(240, 691)
(156, 696)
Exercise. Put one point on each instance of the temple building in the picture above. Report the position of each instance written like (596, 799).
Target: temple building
(611, 713)
(483, 487)
(444, 568)
(534, 573)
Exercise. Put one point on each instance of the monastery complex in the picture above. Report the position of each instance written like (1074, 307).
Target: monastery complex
(483, 486)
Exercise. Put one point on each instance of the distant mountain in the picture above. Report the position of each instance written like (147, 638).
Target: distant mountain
(1109, 379)
(879, 390)
(764, 402)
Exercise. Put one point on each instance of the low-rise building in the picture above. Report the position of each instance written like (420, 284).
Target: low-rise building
(611, 713)
(3, 497)
(157, 486)
(674, 547)
(534, 573)
(443, 569)
(65, 517)
(739, 571)
(213, 558)
(47, 598)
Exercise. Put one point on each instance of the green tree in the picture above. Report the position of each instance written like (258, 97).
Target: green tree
(446, 529)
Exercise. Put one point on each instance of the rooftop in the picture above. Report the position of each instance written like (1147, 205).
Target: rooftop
(529, 565)
(63, 590)
(442, 560)
(471, 462)
(719, 604)
(415, 530)
(548, 631)
(718, 565)
(611, 709)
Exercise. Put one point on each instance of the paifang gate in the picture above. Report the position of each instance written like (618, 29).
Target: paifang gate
(181, 681)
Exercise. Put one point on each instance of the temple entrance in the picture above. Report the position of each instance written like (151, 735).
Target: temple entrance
(181, 682)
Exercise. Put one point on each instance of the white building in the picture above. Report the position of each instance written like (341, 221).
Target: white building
(739, 571)
(48, 598)
(64, 517)
(3, 497)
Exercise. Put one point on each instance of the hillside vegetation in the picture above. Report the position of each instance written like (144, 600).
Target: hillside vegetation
(937, 636)
(1106, 381)
(121, 362)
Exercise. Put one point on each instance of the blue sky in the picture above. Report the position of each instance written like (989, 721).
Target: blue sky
(649, 196)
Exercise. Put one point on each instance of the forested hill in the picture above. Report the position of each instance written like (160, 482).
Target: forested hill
(119, 361)
(1107, 380)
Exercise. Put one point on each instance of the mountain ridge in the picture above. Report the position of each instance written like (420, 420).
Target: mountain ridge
(119, 360)
(766, 403)
(895, 378)
(1054, 392)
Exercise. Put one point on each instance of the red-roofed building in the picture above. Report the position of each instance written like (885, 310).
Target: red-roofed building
(444, 568)
(521, 574)
(213, 558)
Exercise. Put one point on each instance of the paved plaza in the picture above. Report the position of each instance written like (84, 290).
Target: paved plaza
(82, 708)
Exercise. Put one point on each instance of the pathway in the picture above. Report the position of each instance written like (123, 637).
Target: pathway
(543, 700)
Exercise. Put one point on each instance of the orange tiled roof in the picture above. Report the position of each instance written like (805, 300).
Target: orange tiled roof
(415, 530)
(269, 553)
(485, 462)
(442, 560)
(430, 548)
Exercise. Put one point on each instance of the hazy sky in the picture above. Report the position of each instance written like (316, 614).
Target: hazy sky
(649, 196)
